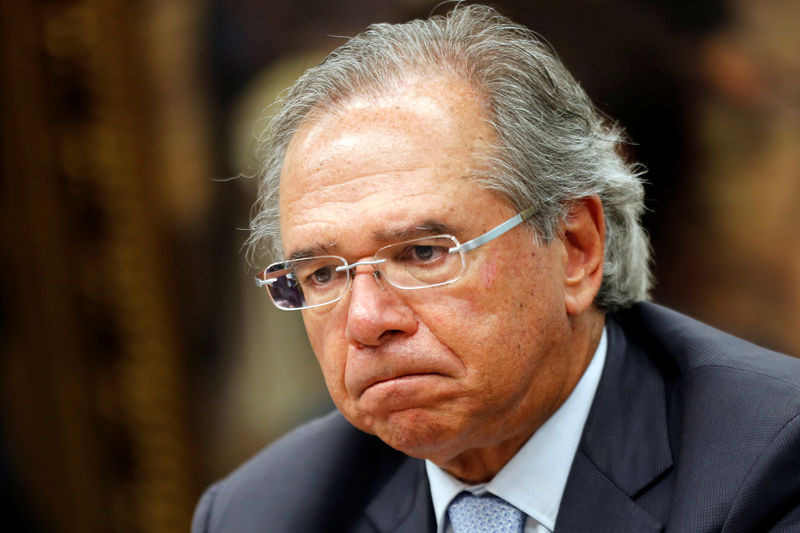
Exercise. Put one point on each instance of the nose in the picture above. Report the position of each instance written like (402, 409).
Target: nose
(376, 312)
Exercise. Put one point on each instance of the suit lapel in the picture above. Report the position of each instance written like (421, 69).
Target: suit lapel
(403, 504)
(624, 451)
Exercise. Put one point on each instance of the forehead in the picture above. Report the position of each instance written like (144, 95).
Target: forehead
(400, 160)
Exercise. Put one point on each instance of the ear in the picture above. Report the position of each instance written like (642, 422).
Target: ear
(583, 235)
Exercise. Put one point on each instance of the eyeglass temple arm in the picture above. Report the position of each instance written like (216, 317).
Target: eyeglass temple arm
(268, 278)
(493, 233)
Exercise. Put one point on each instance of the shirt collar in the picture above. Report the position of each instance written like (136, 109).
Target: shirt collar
(534, 479)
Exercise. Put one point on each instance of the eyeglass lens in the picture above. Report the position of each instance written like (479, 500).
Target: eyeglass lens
(308, 282)
(420, 262)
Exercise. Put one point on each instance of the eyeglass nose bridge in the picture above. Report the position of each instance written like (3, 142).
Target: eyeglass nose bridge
(376, 274)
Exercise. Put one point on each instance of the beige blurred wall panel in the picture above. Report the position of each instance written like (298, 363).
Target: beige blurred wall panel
(741, 270)
(173, 40)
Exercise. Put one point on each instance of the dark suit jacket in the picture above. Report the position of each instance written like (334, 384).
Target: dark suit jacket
(691, 430)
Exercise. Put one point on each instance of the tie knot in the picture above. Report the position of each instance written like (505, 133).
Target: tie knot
(483, 514)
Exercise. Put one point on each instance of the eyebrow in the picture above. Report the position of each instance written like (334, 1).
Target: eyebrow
(312, 251)
(426, 228)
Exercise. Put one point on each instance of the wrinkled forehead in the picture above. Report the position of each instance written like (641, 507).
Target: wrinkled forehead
(425, 121)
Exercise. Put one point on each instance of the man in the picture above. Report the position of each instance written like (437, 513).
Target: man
(462, 237)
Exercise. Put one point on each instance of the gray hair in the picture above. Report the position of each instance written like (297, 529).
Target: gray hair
(553, 147)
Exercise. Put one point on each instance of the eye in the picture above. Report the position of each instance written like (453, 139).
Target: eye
(422, 253)
(322, 276)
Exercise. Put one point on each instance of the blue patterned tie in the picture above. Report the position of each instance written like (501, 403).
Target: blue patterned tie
(483, 514)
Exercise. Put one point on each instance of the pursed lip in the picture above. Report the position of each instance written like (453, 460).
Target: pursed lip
(399, 378)
(377, 381)
(368, 370)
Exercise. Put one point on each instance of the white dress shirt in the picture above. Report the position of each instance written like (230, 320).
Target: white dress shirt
(534, 479)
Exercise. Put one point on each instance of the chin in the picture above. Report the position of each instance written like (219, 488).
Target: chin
(417, 433)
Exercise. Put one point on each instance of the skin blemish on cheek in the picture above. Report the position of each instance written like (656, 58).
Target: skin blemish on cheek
(488, 273)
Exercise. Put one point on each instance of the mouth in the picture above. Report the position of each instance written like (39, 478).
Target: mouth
(404, 371)
(400, 389)
(401, 378)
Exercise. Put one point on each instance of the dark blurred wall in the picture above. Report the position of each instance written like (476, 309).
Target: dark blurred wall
(101, 142)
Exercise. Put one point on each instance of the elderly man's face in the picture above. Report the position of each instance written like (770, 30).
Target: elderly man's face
(437, 372)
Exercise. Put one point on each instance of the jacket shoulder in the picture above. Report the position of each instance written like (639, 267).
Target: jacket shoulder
(729, 388)
(311, 476)
(734, 412)
(692, 345)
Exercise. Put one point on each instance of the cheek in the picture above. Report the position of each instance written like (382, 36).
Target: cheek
(488, 272)
(464, 322)
(507, 306)
(330, 348)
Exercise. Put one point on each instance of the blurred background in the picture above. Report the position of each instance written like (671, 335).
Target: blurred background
(138, 362)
